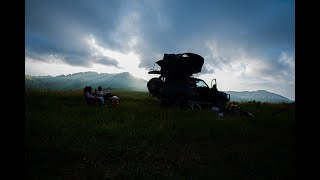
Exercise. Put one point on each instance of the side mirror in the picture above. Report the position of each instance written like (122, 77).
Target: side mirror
(214, 87)
(215, 83)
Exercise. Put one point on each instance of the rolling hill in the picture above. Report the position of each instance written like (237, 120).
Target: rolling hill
(259, 95)
(125, 81)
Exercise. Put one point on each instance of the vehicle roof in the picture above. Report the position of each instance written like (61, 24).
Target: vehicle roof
(184, 63)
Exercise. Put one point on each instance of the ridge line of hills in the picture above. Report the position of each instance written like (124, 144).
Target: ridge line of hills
(126, 81)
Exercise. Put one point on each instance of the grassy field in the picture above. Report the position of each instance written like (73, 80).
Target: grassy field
(66, 137)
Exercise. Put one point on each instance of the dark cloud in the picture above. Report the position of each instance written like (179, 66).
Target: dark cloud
(59, 27)
(106, 61)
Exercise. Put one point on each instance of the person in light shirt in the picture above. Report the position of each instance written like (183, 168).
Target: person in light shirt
(108, 97)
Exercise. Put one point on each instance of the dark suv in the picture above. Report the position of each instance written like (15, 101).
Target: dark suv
(176, 84)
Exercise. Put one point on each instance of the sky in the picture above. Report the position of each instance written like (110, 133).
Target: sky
(247, 45)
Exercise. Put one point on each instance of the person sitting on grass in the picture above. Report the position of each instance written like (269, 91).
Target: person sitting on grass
(91, 98)
(106, 96)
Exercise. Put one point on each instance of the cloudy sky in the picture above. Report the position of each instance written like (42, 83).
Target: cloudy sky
(247, 45)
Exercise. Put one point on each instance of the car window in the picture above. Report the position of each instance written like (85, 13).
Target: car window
(201, 83)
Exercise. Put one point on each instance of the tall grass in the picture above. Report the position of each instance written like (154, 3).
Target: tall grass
(67, 137)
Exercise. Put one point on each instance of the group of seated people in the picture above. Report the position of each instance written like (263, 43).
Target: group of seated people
(99, 96)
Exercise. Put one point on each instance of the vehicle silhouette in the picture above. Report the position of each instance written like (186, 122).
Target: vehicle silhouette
(177, 86)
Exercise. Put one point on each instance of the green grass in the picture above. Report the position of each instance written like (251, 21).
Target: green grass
(67, 137)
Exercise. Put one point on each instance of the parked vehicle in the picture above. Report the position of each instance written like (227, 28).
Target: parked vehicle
(177, 86)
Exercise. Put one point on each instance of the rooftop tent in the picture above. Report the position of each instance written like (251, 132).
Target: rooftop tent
(183, 64)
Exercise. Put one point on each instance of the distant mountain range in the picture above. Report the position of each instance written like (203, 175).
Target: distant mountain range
(126, 81)
(259, 95)
(120, 81)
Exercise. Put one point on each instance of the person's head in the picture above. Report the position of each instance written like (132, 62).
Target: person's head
(89, 88)
(99, 88)
(85, 89)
